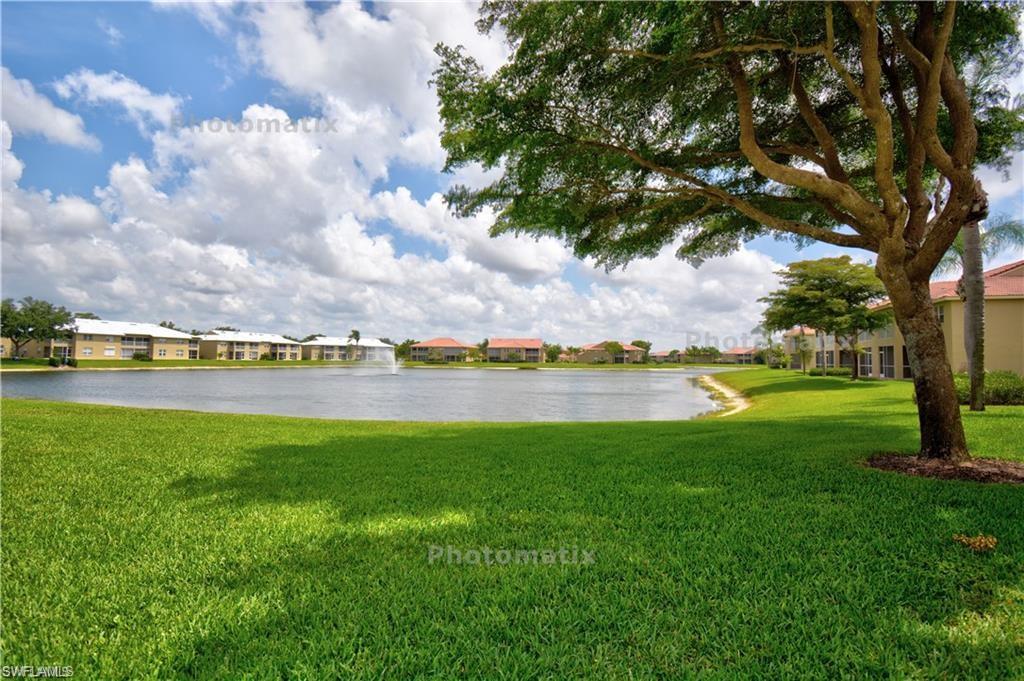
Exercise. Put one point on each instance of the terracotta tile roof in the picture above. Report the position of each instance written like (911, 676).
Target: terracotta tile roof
(740, 351)
(515, 343)
(441, 343)
(1000, 282)
(600, 346)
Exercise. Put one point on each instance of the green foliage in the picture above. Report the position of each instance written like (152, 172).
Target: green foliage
(832, 295)
(32, 320)
(354, 336)
(1001, 388)
(552, 351)
(615, 124)
(435, 356)
(773, 355)
(53, 361)
(266, 357)
(86, 315)
(141, 357)
(614, 348)
(233, 546)
(702, 353)
(404, 349)
(646, 345)
(72, 362)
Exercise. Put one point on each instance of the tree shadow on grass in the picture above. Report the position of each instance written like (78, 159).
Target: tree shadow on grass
(812, 384)
(696, 525)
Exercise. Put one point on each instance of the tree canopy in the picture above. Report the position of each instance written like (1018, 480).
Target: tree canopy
(32, 320)
(623, 127)
(833, 295)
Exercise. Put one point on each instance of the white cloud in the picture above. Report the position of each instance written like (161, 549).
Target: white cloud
(143, 107)
(29, 112)
(114, 35)
(287, 231)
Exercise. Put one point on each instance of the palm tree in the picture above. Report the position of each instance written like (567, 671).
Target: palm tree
(972, 245)
(354, 337)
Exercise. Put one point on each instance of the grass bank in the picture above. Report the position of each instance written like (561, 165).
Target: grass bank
(152, 544)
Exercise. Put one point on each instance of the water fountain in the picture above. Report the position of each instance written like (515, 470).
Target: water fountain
(374, 352)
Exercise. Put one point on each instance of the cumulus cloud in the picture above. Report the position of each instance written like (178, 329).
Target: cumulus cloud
(143, 107)
(290, 231)
(28, 112)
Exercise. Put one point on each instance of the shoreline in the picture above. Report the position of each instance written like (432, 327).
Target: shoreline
(732, 401)
(598, 367)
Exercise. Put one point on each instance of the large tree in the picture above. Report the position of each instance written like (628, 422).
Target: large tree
(624, 127)
(832, 295)
(32, 320)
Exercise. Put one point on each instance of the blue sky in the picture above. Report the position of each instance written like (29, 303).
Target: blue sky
(112, 208)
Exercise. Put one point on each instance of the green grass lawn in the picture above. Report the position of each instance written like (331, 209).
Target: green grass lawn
(142, 543)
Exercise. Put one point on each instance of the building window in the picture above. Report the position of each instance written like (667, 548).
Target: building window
(254, 355)
(161, 353)
(907, 373)
(940, 313)
(887, 361)
(110, 339)
(865, 363)
(87, 336)
(86, 352)
(109, 351)
(179, 353)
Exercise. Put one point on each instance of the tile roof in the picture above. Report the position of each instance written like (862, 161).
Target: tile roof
(1001, 282)
(442, 343)
(739, 351)
(515, 343)
(600, 346)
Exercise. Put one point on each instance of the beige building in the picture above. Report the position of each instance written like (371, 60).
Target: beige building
(884, 353)
(595, 353)
(108, 339)
(248, 346)
(335, 348)
(515, 350)
(738, 356)
(442, 349)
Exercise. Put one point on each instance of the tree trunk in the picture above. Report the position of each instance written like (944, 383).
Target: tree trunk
(938, 411)
(973, 291)
(855, 368)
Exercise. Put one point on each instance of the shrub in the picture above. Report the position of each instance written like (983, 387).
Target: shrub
(265, 357)
(1001, 387)
(71, 362)
(54, 361)
(833, 371)
(142, 357)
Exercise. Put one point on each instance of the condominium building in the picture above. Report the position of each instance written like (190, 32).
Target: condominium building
(245, 345)
(515, 349)
(597, 353)
(440, 349)
(108, 339)
(334, 348)
(744, 355)
(883, 354)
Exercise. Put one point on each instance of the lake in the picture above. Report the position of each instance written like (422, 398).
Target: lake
(368, 393)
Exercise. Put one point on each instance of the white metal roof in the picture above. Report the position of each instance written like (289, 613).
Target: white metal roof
(108, 327)
(247, 337)
(338, 340)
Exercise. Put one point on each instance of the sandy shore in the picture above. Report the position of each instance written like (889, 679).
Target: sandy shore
(733, 401)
